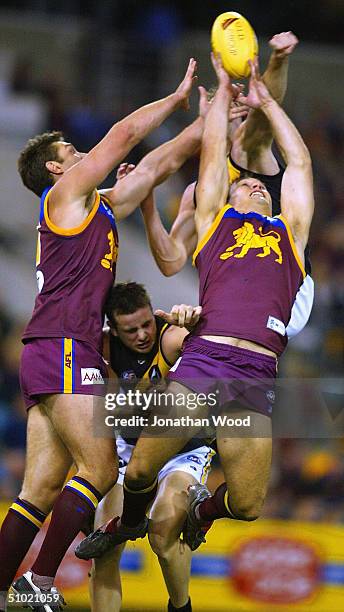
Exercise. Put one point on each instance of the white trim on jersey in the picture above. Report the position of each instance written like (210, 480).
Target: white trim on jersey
(302, 307)
(195, 462)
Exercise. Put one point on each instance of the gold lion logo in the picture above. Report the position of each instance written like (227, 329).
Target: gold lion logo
(246, 239)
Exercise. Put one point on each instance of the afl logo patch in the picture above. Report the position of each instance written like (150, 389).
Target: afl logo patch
(128, 375)
(270, 396)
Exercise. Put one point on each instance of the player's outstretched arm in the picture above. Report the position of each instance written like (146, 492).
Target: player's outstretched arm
(171, 249)
(160, 163)
(251, 147)
(297, 195)
(84, 177)
(153, 169)
(213, 182)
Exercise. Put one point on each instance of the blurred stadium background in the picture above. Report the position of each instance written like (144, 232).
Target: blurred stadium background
(81, 65)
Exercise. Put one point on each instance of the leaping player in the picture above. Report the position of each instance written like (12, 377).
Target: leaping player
(247, 303)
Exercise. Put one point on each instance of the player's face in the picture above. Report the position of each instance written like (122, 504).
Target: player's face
(68, 154)
(252, 192)
(137, 330)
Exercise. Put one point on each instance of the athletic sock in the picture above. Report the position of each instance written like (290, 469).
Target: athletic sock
(186, 608)
(73, 509)
(215, 507)
(135, 503)
(22, 523)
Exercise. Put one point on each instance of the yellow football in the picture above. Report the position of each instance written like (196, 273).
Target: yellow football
(233, 36)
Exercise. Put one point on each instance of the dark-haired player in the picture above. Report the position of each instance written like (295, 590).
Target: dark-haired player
(251, 266)
(62, 371)
(140, 345)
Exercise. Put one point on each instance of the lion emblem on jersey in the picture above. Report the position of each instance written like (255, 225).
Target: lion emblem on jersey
(246, 239)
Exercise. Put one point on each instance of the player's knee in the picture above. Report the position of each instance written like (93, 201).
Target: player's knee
(137, 473)
(160, 545)
(103, 480)
(43, 495)
(108, 479)
(248, 510)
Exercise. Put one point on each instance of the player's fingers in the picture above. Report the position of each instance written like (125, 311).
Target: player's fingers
(176, 313)
(203, 94)
(196, 313)
(214, 60)
(163, 315)
(121, 170)
(237, 113)
(192, 66)
(181, 315)
(188, 314)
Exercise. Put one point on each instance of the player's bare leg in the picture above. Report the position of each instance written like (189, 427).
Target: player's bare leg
(105, 579)
(246, 463)
(72, 418)
(47, 461)
(167, 518)
(47, 465)
(150, 454)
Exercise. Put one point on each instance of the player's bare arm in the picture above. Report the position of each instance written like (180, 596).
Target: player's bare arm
(252, 141)
(297, 197)
(182, 319)
(153, 169)
(72, 194)
(107, 357)
(171, 249)
(213, 182)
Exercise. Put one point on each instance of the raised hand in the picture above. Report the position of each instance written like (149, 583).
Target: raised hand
(283, 44)
(238, 109)
(258, 93)
(184, 90)
(204, 102)
(123, 170)
(222, 76)
(181, 315)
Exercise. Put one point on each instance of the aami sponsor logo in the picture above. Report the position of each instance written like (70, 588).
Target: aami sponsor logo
(276, 570)
(91, 376)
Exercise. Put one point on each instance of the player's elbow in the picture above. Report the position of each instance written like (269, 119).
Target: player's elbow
(300, 158)
(169, 268)
(126, 134)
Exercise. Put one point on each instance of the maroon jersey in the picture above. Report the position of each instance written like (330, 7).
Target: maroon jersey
(250, 273)
(75, 270)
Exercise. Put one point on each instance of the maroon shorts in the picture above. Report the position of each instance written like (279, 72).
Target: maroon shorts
(60, 365)
(233, 373)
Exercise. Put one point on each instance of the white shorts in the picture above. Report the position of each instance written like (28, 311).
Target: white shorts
(196, 462)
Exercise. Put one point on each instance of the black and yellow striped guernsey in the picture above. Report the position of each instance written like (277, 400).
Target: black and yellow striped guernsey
(131, 366)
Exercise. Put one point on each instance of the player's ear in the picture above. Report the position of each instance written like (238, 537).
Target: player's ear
(113, 330)
(54, 167)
